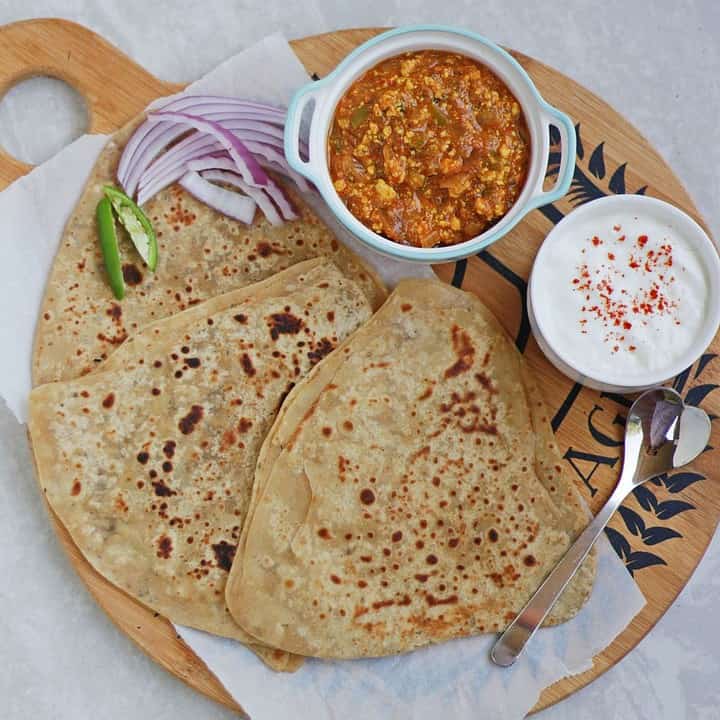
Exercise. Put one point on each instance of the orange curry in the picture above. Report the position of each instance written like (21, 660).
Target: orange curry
(428, 148)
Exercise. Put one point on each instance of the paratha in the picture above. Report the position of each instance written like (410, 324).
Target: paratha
(149, 464)
(201, 254)
(410, 491)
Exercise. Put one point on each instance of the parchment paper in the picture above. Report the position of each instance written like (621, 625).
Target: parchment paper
(456, 680)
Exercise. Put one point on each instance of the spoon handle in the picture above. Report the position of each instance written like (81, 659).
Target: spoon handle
(512, 642)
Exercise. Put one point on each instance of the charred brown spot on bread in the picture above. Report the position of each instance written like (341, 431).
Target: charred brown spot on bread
(108, 401)
(76, 488)
(132, 275)
(432, 601)
(464, 351)
(284, 323)
(367, 496)
(379, 604)
(224, 554)
(115, 312)
(188, 423)
(117, 339)
(161, 489)
(228, 440)
(322, 348)
(247, 365)
(164, 547)
(486, 382)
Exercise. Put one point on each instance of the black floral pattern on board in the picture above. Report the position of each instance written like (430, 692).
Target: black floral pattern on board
(653, 527)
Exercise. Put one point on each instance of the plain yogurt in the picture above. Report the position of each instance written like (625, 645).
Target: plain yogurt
(623, 293)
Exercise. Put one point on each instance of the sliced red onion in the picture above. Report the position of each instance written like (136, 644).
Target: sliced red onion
(185, 102)
(281, 200)
(663, 419)
(258, 195)
(194, 146)
(165, 180)
(273, 156)
(174, 173)
(137, 153)
(272, 191)
(247, 165)
(234, 205)
(197, 145)
(224, 135)
(212, 162)
(152, 144)
(285, 169)
(240, 127)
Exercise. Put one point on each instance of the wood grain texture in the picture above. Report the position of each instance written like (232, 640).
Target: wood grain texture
(682, 506)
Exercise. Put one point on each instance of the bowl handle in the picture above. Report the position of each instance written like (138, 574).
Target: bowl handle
(568, 142)
(310, 92)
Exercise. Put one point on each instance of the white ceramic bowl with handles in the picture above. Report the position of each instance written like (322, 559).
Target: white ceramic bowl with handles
(324, 95)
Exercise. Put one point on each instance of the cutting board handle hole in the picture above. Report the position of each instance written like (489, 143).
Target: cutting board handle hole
(39, 116)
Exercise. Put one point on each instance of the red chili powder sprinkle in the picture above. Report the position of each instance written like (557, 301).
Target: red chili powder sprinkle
(613, 311)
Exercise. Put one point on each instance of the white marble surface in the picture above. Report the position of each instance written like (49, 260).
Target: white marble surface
(657, 62)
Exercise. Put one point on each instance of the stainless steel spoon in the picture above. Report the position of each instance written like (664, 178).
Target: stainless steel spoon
(661, 433)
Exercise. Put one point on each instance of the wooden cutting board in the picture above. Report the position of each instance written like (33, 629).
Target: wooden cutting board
(662, 530)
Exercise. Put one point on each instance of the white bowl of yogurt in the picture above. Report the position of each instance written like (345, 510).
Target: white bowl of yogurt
(624, 293)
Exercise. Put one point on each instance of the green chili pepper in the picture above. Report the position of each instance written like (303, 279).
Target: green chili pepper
(109, 247)
(439, 115)
(136, 223)
(359, 116)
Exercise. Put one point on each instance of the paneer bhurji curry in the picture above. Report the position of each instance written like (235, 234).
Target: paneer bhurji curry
(429, 148)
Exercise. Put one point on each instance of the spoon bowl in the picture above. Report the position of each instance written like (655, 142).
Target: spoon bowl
(651, 432)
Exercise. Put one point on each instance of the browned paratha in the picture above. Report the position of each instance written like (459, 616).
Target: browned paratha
(149, 464)
(202, 254)
(410, 491)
